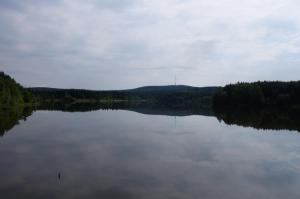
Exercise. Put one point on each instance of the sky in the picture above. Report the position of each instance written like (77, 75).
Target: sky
(118, 44)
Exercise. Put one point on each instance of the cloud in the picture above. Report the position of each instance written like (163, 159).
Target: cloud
(129, 43)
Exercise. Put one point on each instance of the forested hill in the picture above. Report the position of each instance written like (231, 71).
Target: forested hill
(12, 93)
(175, 88)
(175, 96)
(142, 92)
(259, 94)
(160, 89)
(255, 94)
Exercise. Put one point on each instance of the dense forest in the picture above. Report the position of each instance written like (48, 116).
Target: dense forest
(262, 105)
(259, 94)
(12, 93)
(168, 96)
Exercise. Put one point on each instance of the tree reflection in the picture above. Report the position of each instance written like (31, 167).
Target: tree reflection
(272, 119)
(143, 107)
(11, 117)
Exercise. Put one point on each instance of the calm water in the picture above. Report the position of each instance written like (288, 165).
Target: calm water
(124, 154)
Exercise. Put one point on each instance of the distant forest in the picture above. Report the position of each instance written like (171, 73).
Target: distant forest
(165, 96)
(262, 105)
(259, 94)
(12, 94)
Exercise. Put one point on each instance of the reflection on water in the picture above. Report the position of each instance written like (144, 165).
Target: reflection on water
(272, 119)
(266, 119)
(124, 154)
(140, 107)
(11, 117)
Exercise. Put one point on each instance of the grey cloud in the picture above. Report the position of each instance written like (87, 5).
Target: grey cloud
(19, 5)
(204, 42)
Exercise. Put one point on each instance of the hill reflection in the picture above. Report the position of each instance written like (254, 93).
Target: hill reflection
(267, 119)
(141, 107)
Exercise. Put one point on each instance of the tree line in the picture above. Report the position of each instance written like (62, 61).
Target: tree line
(174, 99)
(12, 93)
(259, 94)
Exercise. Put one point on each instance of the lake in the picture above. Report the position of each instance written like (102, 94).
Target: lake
(113, 154)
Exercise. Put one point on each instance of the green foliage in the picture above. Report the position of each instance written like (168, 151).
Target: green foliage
(12, 93)
(259, 94)
(168, 96)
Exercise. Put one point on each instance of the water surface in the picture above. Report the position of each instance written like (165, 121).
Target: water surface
(114, 154)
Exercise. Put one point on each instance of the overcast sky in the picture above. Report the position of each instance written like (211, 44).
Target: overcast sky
(116, 44)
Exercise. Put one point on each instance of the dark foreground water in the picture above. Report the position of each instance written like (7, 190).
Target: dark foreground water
(128, 155)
